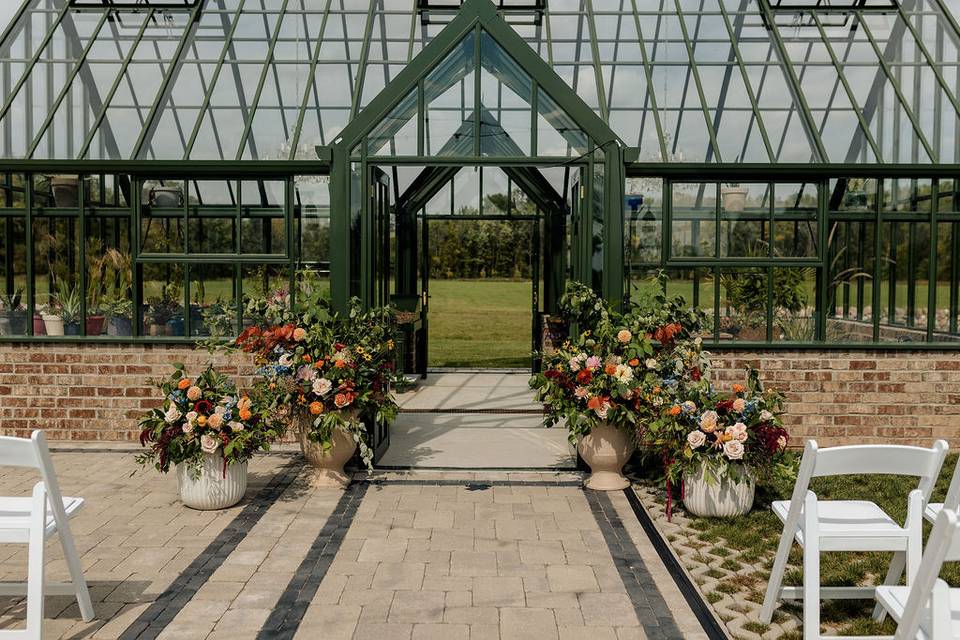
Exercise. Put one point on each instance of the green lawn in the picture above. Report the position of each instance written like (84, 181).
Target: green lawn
(479, 323)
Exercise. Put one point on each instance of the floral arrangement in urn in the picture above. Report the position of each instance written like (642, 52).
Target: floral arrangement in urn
(328, 376)
(208, 430)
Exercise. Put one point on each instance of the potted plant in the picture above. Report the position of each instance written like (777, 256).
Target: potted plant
(13, 315)
(219, 319)
(720, 445)
(605, 381)
(163, 315)
(109, 291)
(65, 190)
(734, 197)
(69, 306)
(209, 431)
(329, 376)
(118, 313)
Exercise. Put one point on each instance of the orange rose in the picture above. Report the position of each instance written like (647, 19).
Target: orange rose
(610, 369)
(739, 388)
(245, 414)
(184, 384)
(316, 408)
(340, 364)
(633, 362)
(674, 410)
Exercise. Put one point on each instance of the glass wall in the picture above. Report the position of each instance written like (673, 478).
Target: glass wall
(847, 260)
(122, 256)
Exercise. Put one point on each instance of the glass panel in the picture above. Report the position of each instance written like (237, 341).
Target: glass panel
(265, 283)
(744, 220)
(162, 216)
(694, 226)
(13, 270)
(213, 300)
(56, 277)
(642, 216)
(505, 94)
(948, 287)
(850, 287)
(449, 94)
(852, 194)
(794, 294)
(795, 220)
(12, 190)
(697, 288)
(743, 304)
(397, 134)
(557, 133)
(904, 271)
(162, 294)
(109, 276)
(906, 195)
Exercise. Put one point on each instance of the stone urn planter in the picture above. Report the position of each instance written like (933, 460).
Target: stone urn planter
(734, 198)
(327, 465)
(721, 497)
(65, 190)
(212, 489)
(606, 449)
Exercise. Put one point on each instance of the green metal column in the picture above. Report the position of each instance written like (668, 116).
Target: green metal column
(613, 253)
(340, 229)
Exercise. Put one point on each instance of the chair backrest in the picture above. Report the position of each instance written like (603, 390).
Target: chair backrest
(33, 452)
(946, 529)
(952, 499)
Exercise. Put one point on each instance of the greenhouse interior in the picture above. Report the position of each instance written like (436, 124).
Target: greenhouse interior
(791, 167)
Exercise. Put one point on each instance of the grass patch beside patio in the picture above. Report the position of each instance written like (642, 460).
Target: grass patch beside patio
(731, 559)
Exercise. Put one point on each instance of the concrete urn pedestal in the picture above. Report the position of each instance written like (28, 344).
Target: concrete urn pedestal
(606, 449)
(327, 465)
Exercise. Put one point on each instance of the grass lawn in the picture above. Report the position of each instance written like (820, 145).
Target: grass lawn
(479, 323)
(758, 533)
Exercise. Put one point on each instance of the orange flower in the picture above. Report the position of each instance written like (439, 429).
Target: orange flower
(340, 364)
(316, 408)
(657, 389)
(594, 402)
(306, 357)
(610, 369)
(674, 410)
(245, 414)
(201, 420)
(184, 384)
(739, 388)
(634, 362)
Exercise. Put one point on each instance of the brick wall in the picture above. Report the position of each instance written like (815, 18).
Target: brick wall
(96, 392)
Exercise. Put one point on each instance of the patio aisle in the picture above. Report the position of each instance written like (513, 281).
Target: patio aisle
(414, 556)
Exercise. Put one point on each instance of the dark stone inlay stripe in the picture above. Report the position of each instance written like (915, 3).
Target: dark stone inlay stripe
(473, 484)
(690, 592)
(652, 610)
(165, 608)
(292, 605)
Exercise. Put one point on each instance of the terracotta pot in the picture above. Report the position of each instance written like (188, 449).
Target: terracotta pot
(606, 449)
(327, 465)
(212, 489)
(39, 329)
(721, 497)
(95, 325)
(53, 324)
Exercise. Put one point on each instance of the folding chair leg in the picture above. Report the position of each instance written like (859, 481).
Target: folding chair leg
(35, 577)
(811, 571)
(76, 574)
(894, 572)
(776, 575)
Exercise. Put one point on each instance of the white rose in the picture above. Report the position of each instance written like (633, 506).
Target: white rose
(187, 428)
(765, 415)
(782, 441)
(696, 439)
(733, 449)
(322, 386)
(192, 417)
(651, 363)
(209, 444)
(285, 360)
(708, 421)
(235, 426)
(601, 411)
(172, 414)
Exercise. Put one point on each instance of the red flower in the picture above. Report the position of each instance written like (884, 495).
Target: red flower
(724, 406)
(695, 374)
(203, 407)
(584, 376)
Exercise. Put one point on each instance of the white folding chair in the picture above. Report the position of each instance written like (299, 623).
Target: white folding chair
(31, 521)
(951, 500)
(849, 525)
(928, 609)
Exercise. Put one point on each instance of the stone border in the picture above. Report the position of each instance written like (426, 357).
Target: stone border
(165, 608)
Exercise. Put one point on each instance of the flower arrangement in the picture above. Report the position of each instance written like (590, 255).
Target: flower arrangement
(620, 366)
(202, 416)
(326, 372)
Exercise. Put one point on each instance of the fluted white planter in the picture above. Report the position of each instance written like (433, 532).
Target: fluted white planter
(606, 449)
(723, 498)
(213, 489)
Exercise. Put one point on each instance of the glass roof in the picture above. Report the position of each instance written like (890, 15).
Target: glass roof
(683, 80)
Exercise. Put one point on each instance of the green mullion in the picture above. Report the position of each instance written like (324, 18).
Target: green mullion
(534, 106)
(238, 297)
(911, 273)
(846, 87)
(136, 268)
(595, 50)
(795, 90)
(896, 88)
(699, 86)
(205, 105)
(66, 87)
(81, 198)
(187, 275)
(364, 56)
(238, 213)
(293, 247)
(847, 240)
(954, 275)
(476, 91)
(823, 254)
(113, 89)
(892, 272)
(746, 83)
(875, 289)
(716, 303)
(933, 270)
(262, 81)
(28, 70)
(28, 233)
(651, 95)
(770, 304)
(14, 22)
(861, 257)
(666, 235)
(298, 127)
(421, 118)
(932, 63)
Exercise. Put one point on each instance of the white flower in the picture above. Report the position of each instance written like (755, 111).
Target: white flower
(782, 441)
(739, 404)
(574, 364)
(652, 363)
(172, 414)
(322, 386)
(738, 432)
(187, 428)
(623, 373)
(657, 401)
(733, 449)
(286, 360)
(306, 372)
(581, 392)
(235, 426)
(708, 421)
(192, 417)
(765, 416)
(696, 439)
(698, 341)
(689, 406)
(601, 411)
(208, 443)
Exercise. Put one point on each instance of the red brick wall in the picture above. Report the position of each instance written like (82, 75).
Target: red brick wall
(96, 392)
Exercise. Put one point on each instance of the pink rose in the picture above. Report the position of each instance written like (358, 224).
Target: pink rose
(733, 449)
(194, 393)
(696, 439)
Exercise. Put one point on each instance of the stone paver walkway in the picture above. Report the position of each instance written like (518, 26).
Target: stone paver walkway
(398, 555)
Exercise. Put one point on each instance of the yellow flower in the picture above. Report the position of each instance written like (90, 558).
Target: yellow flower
(390, 344)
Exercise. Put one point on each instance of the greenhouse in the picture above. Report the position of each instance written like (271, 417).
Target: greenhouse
(790, 166)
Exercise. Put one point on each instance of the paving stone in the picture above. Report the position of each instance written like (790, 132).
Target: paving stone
(473, 563)
(441, 632)
(382, 631)
(395, 576)
(498, 592)
(578, 579)
(417, 606)
(528, 624)
(613, 609)
(587, 633)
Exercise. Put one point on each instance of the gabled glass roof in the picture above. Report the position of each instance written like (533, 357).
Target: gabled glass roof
(684, 80)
